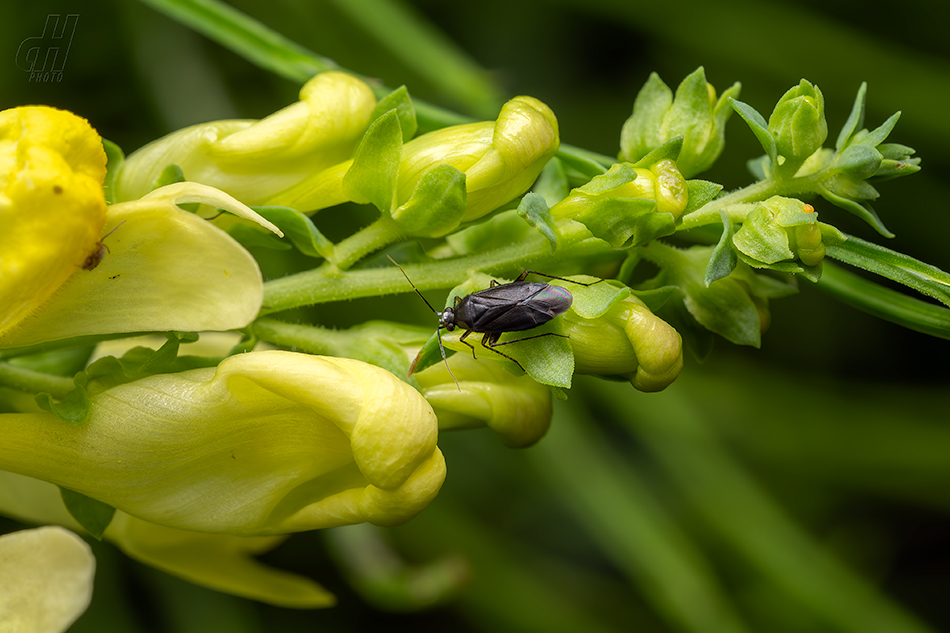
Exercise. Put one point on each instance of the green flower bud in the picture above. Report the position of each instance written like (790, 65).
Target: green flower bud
(628, 206)
(694, 113)
(628, 340)
(779, 232)
(47, 575)
(266, 443)
(254, 160)
(798, 123)
(517, 408)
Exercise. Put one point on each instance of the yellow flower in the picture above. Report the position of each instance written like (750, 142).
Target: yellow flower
(52, 209)
(266, 443)
(46, 579)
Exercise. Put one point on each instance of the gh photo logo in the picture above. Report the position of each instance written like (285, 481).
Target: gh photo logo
(44, 56)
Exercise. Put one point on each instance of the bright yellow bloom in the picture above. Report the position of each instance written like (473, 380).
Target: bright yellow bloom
(52, 209)
(46, 579)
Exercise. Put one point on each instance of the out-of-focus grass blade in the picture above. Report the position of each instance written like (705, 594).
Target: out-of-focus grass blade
(885, 303)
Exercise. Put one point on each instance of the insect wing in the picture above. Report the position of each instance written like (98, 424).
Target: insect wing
(514, 307)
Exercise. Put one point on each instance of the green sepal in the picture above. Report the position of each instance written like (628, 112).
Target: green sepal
(861, 209)
(617, 176)
(430, 354)
(114, 159)
(252, 236)
(878, 135)
(534, 211)
(299, 229)
(93, 515)
(436, 205)
(759, 127)
(723, 259)
(372, 176)
(859, 161)
(855, 119)
(626, 222)
(595, 300)
(667, 151)
(700, 193)
(399, 101)
(73, 408)
(643, 128)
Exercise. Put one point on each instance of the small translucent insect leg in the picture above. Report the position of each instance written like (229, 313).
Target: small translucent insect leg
(446, 360)
(523, 275)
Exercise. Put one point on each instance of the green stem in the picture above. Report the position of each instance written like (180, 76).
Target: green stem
(377, 235)
(328, 283)
(33, 381)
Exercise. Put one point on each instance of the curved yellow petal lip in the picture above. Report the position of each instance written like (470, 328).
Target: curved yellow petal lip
(46, 574)
(221, 562)
(266, 443)
(52, 166)
(164, 269)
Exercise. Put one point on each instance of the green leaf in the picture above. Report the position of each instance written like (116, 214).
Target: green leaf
(884, 303)
(723, 259)
(855, 120)
(372, 177)
(758, 125)
(534, 211)
(700, 192)
(924, 278)
(114, 159)
(877, 136)
(300, 229)
(860, 161)
(93, 515)
(626, 222)
(399, 101)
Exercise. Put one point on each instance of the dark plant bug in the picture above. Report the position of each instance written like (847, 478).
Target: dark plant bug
(512, 307)
(100, 250)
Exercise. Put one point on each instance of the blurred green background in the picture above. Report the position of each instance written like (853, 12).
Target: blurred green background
(801, 487)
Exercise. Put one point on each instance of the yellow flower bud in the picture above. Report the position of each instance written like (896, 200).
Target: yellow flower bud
(253, 160)
(500, 159)
(52, 208)
(266, 443)
(46, 575)
(630, 341)
(517, 408)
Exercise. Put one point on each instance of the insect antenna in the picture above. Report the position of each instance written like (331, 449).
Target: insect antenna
(438, 331)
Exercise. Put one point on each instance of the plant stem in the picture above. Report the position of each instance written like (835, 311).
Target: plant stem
(377, 235)
(33, 381)
(328, 283)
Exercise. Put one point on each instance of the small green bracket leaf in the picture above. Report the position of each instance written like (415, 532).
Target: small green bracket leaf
(300, 229)
(74, 408)
(534, 211)
(700, 192)
(372, 177)
(667, 151)
(114, 159)
(399, 101)
(758, 125)
(723, 259)
(93, 515)
(855, 120)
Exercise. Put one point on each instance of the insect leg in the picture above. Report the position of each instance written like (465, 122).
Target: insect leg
(472, 347)
(490, 340)
(523, 275)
